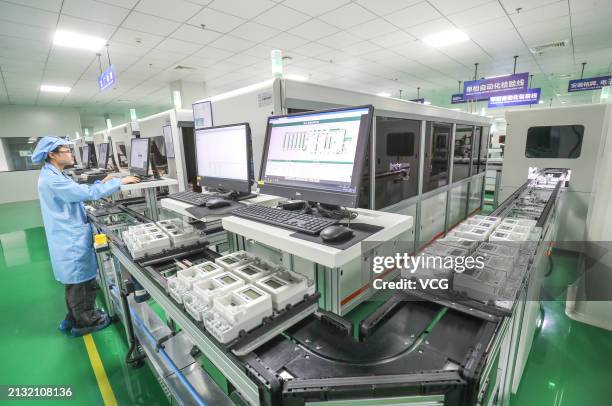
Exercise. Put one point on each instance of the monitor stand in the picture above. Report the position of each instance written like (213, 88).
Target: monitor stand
(315, 208)
(235, 195)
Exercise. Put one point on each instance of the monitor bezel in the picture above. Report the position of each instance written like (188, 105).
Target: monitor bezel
(345, 199)
(140, 171)
(103, 165)
(238, 185)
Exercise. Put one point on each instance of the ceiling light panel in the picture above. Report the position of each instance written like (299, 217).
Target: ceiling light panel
(446, 38)
(54, 89)
(72, 39)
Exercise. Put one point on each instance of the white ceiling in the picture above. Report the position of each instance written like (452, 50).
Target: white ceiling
(368, 45)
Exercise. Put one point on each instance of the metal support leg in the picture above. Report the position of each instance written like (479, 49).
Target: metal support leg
(103, 282)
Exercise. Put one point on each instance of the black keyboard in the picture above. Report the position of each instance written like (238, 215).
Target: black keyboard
(292, 220)
(193, 198)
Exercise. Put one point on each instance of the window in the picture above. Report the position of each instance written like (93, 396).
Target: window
(16, 154)
(397, 161)
(437, 155)
(400, 144)
(463, 151)
(561, 141)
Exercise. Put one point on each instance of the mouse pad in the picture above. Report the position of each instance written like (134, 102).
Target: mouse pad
(361, 231)
(201, 212)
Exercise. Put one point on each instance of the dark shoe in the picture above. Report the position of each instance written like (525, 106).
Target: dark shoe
(65, 326)
(101, 324)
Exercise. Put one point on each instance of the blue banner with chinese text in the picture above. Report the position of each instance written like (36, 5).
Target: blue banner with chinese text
(501, 85)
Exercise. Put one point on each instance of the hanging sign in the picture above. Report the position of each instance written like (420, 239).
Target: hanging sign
(485, 88)
(107, 78)
(578, 85)
(457, 98)
(531, 96)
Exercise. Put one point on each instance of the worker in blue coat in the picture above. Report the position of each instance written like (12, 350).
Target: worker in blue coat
(69, 234)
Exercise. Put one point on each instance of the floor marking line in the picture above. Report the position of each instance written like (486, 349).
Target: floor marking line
(96, 363)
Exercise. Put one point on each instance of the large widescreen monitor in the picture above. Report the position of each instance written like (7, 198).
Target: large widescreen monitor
(317, 156)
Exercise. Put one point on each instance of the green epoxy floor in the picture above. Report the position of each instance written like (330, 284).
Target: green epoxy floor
(33, 351)
(570, 363)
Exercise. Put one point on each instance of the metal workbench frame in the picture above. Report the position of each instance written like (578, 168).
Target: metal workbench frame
(233, 372)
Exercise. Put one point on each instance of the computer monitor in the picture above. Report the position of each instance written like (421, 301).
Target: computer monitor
(122, 155)
(224, 157)
(139, 156)
(317, 156)
(103, 155)
(85, 157)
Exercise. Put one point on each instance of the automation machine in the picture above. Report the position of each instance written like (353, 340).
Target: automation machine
(228, 176)
(317, 158)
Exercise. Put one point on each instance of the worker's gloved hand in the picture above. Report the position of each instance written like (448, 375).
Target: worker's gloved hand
(130, 179)
(109, 177)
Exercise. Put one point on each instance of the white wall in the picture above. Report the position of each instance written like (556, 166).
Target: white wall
(32, 121)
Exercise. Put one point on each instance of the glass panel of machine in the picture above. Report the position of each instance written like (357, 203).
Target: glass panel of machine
(314, 149)
(462, 157)
(139, 153)
(485, 140)
(559, 141)
(213, 160)
(437, 155)
(397, 160)
(476, 149)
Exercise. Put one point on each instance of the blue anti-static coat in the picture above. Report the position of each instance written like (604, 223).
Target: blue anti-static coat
(69, 235)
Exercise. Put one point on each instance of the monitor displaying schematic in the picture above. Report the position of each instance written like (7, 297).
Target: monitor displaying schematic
(317, 156)
(139, 156)
(103, 155)
(224, 157)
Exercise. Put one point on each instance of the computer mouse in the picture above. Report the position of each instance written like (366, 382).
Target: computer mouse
(336, 234)
(217, 203)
